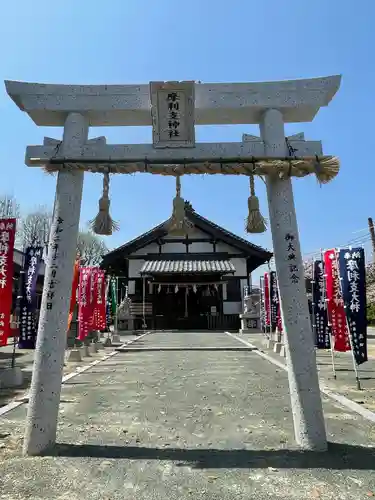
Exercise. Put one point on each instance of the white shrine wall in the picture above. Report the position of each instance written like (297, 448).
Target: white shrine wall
(135, 265)
(151, 248)
(223, 247)
(173, 247)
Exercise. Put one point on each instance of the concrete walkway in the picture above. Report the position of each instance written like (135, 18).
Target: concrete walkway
(186, 424)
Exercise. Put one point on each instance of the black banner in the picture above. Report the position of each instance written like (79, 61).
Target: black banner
(353, 280)
(319, 308)
(262, 307)
(274, 296)
(28, 322)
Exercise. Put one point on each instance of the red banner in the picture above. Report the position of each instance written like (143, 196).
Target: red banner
(7, 236)
(335, 304)
(267, 303)
(73, 298)
(279, 318)
(84, 303)
(99, 315)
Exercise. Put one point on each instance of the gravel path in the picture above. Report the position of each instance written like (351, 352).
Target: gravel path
(186, 424)
(25, 361)
(345, 382)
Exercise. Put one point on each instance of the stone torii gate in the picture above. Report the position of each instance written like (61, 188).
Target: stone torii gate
(174, 152)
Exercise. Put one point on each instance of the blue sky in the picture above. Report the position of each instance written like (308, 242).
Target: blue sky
(135, 41)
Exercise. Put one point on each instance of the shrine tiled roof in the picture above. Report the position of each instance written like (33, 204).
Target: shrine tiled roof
(188, 267)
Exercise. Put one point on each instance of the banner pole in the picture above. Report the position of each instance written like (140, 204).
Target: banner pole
(107, 314)
(262, 309)
(18, 305)
(329, 325)
(313, 309)
(279, 320)
(116, 313)
(358, 380)
(269, 300)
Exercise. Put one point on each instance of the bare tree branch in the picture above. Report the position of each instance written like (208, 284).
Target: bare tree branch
(9, 207)
(35, 227)
(370, 283)
(90, 248)
(308, 269)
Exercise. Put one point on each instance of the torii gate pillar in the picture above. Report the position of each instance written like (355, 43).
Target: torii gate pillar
(42, 414)
(306, 402)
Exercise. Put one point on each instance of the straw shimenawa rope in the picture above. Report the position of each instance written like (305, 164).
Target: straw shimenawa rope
(325, 167)
(103, 223)
(179, 224)
(255, 222)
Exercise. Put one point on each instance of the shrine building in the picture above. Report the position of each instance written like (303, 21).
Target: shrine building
(196, 282)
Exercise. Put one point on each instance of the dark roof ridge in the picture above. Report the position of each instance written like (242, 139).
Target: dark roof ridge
(192, 214)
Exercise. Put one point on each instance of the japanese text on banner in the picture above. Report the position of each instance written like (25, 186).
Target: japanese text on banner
(335, 303)
(7, 236)
(28, 323)
(320, 319)
(274, 298)
(99, 314)
(262, 307)
(267, 304)
(353, 279)
(84, 303)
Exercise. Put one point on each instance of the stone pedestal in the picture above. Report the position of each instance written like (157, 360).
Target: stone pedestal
(126, 324)
(283, 351)
(107, 342)
(277, 347)
(276, 337)
(270, 343)
(116, 339)
(92, 348)
(11, 377)
(74, 356)
(250, 323)
(85, 351)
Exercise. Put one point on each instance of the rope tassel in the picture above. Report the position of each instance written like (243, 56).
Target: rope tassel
(103, 223)
(179, 224)
(255, 222)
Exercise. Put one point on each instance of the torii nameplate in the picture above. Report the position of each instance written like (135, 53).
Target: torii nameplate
(172, 111)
